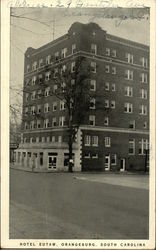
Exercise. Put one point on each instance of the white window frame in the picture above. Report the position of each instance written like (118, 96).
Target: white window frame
(106, 121)
(94, 155)
(94, 48)
(131, 145)
(143, 77)
(107, 86)
(34, 66)
(112, 104)
(87, 140)
(34, 80)
(87, 156)
(115, 159)
(54, 106)
(46, 123)
(128, 91)
(93, 67)
(143, 109)
(143, 93)
(64, 53)
(47, 92)
(144, 146)
(48, 59)
(40, 62)
(73, 48)
(73, 67)
(46, 108)
(129, 74)
(107, 142)
(93, 83)
(54, 122)
(113, 87)
(114, 53)
(47, 76)
(107, 68)
(62, 105)
(108, 51)
(95, 140)
(61, 121)
(132, 123)
(92, 119)
(92, 103)
(106, 103)
(39, 109)
(129, 108)
(129, 57)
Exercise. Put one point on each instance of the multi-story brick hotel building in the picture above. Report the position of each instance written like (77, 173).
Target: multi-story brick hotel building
(113, 137)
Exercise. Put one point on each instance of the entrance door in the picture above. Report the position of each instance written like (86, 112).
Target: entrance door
(107, 162)
(122, 164)
(52, 160)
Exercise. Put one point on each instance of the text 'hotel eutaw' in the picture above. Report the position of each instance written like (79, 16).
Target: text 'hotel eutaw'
(113, 137)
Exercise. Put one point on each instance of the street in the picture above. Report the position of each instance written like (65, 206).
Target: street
(78, 206)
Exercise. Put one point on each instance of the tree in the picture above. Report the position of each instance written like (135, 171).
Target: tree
(74, 90)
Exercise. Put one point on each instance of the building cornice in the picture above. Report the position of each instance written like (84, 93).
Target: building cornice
(95, 128)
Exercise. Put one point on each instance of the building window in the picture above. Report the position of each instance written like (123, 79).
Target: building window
(114, 70)
(113, 159)
(143, 77)
(143, 110)
(62, 121)
(87, 155)
(40, 63)
(128, 108)
(53, 138)
(107, 52)
(132, 124)
(94, 155)
(143, 146)
(47, 92)
(48, 59)
(46, 108)
(95, 140)
(131, 146)
(46, 123)
(143, 93)
(107, 86)
(55, 88)
(54, 106)
(113, 104)
(92, 103)
(26, 125)
(34, 80)
(144, 62)
(40, 78)
(37, 139)
(38, 124)
(28, 68)
(92, 120)
(128, 91)
(47, 75)
(64, 52)
(72, 82)
(62, 105)
(60, 138)
(31, 140)
(39, 94)
(93, 85)
(107, 68)
(129, 58)
(113, 53)
(34, 65)
(33, 95)
(87, 140)
(56, 55)
(55, 72)
(107, 142)
(26, 97)
(63, 69)
(41, 159)
(106, 103)
(106, 121)
(48, 138)
(38, 109)
(93, 67)
(73, 48)
(54, 122)
(94, 49)
(129, 74)
(33, 110)
(43, 139)
(72, 67)
(32, 125)
(113, 87)
(26, 111)
(145, 125)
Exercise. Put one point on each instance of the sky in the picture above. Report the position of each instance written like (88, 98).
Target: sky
(35, 27)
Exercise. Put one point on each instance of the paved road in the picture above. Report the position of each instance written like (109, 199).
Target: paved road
(65, 205)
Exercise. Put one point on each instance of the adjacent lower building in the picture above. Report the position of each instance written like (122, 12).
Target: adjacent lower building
(113, 137)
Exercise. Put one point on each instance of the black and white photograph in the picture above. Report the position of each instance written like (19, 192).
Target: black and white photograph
(80, 127)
